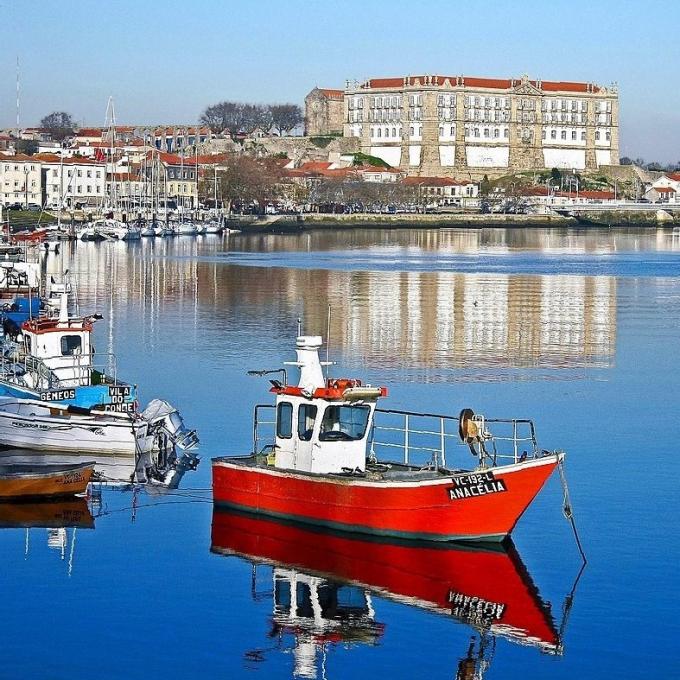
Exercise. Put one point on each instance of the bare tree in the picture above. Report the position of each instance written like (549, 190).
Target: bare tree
(246, 180)
(59, 124)
(285, 117)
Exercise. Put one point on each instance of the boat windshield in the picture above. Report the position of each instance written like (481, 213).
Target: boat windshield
(344, 423)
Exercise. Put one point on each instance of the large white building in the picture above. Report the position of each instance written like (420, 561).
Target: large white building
(462, 126)
(72, 182)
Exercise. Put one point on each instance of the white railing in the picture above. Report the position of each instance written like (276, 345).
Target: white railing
(425, 438)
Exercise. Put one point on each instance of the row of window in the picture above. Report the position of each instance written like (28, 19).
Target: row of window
(339, 423)
(491, 133)
(88, 173)
(180, 174)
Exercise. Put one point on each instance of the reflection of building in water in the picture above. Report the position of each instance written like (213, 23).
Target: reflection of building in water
(417, 318)
(452, 320)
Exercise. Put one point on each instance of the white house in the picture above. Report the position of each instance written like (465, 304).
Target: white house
(666, 189)
(20, 180)
(72, 182)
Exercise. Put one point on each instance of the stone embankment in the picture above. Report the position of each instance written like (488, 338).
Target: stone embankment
(278, 223)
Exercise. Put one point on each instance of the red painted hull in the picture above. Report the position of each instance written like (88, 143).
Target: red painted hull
(484, 588)
(423, 510)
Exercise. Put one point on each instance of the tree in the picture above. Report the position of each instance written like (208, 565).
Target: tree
(626, 161)
(26, 146)
(246, 180)
(235, 117)
(485, 186)
(285, 117)
(59, 124)
(555, 176)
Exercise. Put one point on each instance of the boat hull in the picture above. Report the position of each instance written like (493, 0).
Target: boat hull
(47, 482)
(477, 506)
(34, 427)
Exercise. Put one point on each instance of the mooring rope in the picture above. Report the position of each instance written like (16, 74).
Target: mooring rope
(568, 510)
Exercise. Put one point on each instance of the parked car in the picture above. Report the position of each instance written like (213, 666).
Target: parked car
(33, 207)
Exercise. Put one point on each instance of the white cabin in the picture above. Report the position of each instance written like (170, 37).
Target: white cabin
(322, 426)
(63, 345)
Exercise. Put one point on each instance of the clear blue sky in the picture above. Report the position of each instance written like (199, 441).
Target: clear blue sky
(165, 61)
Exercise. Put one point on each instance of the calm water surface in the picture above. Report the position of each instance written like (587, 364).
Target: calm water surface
(578, 330)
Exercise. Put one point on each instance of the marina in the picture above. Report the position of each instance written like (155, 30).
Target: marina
(535, 324)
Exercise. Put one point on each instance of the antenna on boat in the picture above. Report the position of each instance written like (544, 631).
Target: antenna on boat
(299, 327)
(328, 339)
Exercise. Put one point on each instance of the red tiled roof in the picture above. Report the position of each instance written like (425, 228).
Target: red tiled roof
(664, 190)
(490, 83)
(214, 159)
(90, 132)
(375, 168)
(332, 94)
(675, 176)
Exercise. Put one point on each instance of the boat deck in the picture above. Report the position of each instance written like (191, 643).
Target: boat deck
(387, 471)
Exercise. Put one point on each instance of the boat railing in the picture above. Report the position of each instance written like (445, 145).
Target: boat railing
(59, 371)
(433, 439)
(264, 417)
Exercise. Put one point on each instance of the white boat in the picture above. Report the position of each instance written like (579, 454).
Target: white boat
(213, 227)
(148, 230)
(186, 229)
(201, 228)
(54, 396)
(32, 424)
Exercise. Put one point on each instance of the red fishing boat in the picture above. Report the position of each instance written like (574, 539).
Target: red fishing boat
(325, 465)
(487, 588)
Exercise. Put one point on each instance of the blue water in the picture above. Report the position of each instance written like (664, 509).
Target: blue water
(575, 329)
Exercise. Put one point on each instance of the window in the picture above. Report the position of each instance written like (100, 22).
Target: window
(89, 173)
(573, 134)
(607, 136)
(306, 418)
(476, 132)
(553, 134)
(70, 345)
(344, 423)
(597, 135)
(284, 420)
(543, 134)
(394, 132)
(583, 136)
(453, 130)
(563, 134)
(379, 132)
(506, 133)
(486, 132)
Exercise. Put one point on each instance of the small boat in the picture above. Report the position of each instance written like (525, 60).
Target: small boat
(148, 230)
(55, 395)
(213, 227)
(34, 481)
(29, 235)
(186, 229)
(322, 465)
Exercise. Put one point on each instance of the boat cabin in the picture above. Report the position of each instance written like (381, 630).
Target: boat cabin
(63, 346)
(322, 425)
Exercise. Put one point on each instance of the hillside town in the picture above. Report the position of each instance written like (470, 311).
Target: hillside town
(389, 145)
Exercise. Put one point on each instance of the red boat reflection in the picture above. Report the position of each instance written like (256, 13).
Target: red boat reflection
(489, 589)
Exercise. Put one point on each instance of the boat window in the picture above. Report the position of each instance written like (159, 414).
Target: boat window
(306, 417)
(344, 423)
(70, 344)
(284, 420)
(27, 343)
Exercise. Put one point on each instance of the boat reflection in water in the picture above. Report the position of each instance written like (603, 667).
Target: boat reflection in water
(112, 468)
(56, 517)
(323, 583)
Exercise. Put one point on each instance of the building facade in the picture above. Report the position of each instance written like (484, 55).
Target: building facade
(324, 112)
(74, 182)
(468, 127)
(20, 180)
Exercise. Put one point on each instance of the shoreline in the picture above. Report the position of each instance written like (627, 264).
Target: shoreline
(292, 223)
